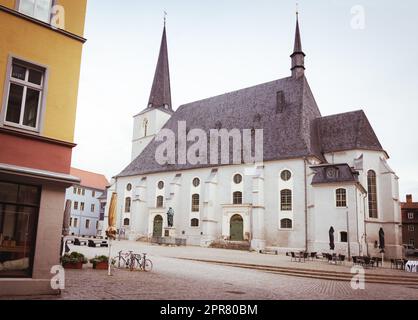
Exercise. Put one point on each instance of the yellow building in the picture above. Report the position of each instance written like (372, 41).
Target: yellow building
(40, 54)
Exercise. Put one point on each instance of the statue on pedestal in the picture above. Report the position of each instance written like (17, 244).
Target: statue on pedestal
(170, 217)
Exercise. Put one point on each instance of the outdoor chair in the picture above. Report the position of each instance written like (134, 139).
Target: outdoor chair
(314, 256)
(341, 258)
(305, 256)
(293, 257)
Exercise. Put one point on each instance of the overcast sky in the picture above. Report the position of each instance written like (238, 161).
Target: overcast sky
(220, 46)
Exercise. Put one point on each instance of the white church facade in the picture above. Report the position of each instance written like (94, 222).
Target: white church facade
(317, 172)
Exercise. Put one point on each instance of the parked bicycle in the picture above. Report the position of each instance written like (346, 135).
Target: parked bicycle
(133, 261)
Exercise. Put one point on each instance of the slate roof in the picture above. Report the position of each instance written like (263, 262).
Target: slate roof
(343, 173)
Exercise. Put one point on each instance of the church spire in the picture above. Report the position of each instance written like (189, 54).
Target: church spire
(161, 92)
(298, 56)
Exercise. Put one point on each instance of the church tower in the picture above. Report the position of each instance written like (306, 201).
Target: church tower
(149, 122)
(298, 56)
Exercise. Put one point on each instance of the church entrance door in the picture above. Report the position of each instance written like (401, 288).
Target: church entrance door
(158, 227)
(237, 228)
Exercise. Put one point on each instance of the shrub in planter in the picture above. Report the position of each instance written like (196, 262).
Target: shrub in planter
(100, 262)
(74, 260)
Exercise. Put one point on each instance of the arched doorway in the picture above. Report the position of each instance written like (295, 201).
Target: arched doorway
(158, 227)
(237, 228)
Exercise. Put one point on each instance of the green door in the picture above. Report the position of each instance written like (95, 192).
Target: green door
(237, 228)
(158, 227)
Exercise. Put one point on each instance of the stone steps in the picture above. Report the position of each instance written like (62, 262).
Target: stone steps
(231, 245)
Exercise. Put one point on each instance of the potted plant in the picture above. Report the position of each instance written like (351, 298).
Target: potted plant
(100, 262)
(74, 260)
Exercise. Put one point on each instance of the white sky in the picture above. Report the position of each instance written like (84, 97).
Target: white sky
(220, 46)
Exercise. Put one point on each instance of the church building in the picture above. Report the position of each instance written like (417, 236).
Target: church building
(318, 173)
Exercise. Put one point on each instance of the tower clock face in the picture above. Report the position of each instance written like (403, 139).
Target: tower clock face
(331, 173)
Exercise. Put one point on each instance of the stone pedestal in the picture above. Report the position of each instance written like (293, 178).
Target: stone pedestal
(170, 232)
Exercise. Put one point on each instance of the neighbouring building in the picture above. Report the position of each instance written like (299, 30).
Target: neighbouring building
(39, 76)
(317, 172)
(86, 205)
(410, 221)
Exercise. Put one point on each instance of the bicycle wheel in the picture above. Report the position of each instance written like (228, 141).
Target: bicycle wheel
(148, 265)
(119, 262)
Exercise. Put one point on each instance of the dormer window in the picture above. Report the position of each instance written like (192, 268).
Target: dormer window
(38, 9)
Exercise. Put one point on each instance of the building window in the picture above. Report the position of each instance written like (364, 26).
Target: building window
(286, 200)
(38, 9)
(237, 197)
(82, 206)
(83, 192)
(145, 126)
(79, 191)
(93, 194)
(127, 205)
(372, 194)
(25, 93)
(161, 185)
(237, 179)
(92, 208)
(75, 222)
(160, 201)
(341, 198)
(75, 205)
(286, 175)
(128, 187)
(71, 221)
(412, 242)
(194, 223)
(97, 225)
(195, 203)
(410, 215)
(126, 222)
(411, 228)
(343, 236)
(286, 224)
(19, 209)
(87, 224)
(74, 190)
(196, 182)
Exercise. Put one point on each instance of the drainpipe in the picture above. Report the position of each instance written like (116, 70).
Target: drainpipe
(357, 228)
(306, 203)
(365, 231)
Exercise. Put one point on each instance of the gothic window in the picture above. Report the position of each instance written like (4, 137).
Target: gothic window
(195, 203)
(160, 201)
(372, 194)
(286, 200)
(341, 198)
(286, 224)
(128, 205)
(237, 197)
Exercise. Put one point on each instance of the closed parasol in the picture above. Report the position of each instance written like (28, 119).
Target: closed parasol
(331, 239)
(66, 226)
(111, 229)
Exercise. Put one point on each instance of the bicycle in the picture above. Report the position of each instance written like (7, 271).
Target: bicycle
(124, 257)
(146, 264)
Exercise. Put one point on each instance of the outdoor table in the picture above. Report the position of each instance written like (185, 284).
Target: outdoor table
(411, 266)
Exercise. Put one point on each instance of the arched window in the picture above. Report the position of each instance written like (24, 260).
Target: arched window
(128, 205)
(286, 200)
(237, 197)
(237, 179)
(195, 203)
(129, 187)
(194, 222)
(160, 201)
(343, 236)
(196, 182)
(145, 125)
(126, 222)
(341, 198)
(372, 194)
(161, 185)
(286, 224)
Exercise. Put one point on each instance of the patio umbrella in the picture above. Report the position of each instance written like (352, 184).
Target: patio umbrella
(331, 239)
(66, 226)
(382, 240)
(111, 229)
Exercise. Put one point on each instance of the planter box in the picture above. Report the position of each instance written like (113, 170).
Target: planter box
(78, 265)
(101, 266)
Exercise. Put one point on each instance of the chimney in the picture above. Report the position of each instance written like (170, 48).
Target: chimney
(409, 198)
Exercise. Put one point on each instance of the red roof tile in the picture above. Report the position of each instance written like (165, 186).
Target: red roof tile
(90, 179)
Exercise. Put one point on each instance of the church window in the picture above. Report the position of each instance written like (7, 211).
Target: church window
(341, 198)
(237, 179)
(128, 205)
(286, 224)
(194, 223)
(237, 197)
(196, 182)
(343, 236)
(160, 201)
(195, 203)
(372, 194)
(286, 200)
(129, 187)
(286, 175)
(145, 126)
(126, 222)
(161, 185)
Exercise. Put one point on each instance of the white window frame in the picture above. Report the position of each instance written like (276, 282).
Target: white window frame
(411, 228)
(336, 199)
(43, 88)
(286, 229)
(410, 215)
(53, 3)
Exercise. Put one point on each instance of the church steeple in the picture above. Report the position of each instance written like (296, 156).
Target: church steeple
(161, 92)
(298, 56)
